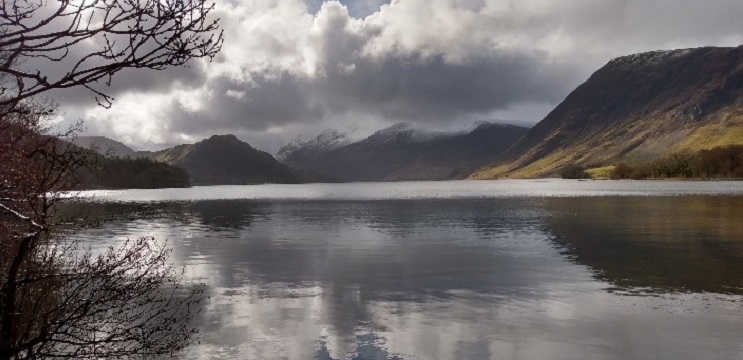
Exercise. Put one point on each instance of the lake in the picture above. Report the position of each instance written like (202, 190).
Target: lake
(510, 269)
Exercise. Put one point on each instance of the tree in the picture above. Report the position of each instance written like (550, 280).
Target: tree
(58, 300)
(91, 40)
(574, 172)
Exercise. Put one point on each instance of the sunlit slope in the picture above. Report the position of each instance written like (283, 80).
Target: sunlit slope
(634, 109)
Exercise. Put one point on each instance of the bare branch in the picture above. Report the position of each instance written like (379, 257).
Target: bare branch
(58, 300)
(151, 34)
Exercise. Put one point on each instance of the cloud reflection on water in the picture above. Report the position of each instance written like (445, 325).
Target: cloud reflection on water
(453, 279)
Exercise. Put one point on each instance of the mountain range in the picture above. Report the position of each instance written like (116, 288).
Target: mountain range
(402, 152)
(636, 109)
(399, 152)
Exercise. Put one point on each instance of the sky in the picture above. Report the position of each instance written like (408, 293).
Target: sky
(293, 68)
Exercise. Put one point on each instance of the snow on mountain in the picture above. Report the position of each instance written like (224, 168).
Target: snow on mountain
(327, 140)
(403, 132)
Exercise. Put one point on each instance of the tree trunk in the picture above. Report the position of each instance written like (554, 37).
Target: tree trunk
(8, 292)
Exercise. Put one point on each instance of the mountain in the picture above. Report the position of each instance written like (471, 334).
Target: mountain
(117, 169)
(635, 109)
(300, 151)
(403, 132)
(225, 160)
(403, 152)
(102, 145)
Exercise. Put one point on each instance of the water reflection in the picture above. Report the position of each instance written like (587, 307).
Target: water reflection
(509, 278)
(688, 244)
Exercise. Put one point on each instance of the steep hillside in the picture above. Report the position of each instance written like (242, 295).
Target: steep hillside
(225, 160)
(402, 152)
(102, 145)
(634, 109)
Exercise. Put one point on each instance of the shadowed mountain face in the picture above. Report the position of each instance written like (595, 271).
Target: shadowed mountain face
(225, 160)
(634, 109)
(102, 145)
(402, 152)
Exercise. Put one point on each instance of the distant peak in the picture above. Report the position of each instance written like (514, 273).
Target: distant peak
(403, 132)
(228, 137)
(102, 145)
(224, 140)
(325, 141)
(404, 125)
(396, 128)
(490, 125)
(650, 58)
(480, 125)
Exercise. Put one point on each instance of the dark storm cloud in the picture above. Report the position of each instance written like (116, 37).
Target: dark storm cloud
(264, 102)
(56, 64)
(432, 90)
(391, 85)
(298, 63)
(404, 88)
(136, 80)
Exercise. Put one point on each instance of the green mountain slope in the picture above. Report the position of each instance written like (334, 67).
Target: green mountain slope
(634, 109)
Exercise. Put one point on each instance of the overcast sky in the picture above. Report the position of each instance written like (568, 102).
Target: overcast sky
(293, 68)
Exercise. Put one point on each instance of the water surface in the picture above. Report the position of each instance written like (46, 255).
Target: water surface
(453, 270)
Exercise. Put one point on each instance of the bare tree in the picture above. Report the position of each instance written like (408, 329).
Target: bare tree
(91, 40)
(56, 299)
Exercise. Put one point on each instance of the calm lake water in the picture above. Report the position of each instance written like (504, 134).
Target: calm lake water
(551, 269)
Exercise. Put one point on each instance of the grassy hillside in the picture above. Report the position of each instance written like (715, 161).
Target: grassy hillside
(636, 109)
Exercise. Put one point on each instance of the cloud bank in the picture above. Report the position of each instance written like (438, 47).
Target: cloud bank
(291, 67)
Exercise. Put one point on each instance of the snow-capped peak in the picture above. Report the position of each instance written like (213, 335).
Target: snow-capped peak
(403, 132)
(325, 141)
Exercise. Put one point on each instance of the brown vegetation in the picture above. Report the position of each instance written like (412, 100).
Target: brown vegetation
(634, 109)
(718, 163)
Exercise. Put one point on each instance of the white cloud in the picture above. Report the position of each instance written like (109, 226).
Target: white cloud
(289, 66)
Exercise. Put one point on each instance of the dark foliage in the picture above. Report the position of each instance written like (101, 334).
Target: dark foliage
(58, 300)
(137, 173)
(717, 163)
(574, 172)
